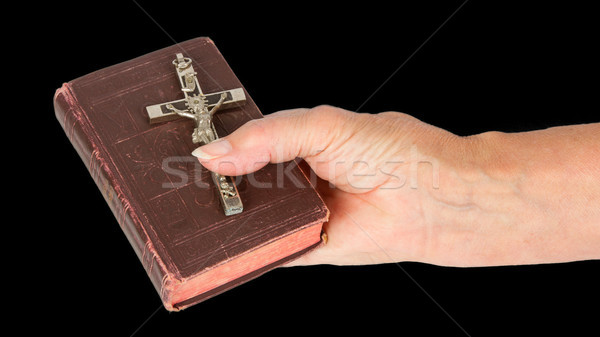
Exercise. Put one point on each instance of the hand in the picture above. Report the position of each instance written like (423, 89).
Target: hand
(398, 189)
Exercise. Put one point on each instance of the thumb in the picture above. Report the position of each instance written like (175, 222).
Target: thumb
(279, 137)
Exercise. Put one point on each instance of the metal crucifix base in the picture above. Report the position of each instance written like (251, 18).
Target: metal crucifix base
(228, 193)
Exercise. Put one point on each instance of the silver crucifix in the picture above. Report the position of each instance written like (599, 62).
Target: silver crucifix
(200, 108)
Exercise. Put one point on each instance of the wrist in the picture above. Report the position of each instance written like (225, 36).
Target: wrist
(467, 212)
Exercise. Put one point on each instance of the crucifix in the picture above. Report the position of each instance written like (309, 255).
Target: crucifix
(200, 108)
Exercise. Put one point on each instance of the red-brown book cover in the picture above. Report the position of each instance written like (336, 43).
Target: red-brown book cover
(163, 199)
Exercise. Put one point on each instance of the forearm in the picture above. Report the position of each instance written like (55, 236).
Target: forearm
(519, 198)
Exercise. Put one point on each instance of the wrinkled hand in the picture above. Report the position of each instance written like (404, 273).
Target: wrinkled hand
(402, 190)
(367, 165)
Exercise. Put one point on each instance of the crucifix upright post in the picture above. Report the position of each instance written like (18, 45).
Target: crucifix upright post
(200, 108)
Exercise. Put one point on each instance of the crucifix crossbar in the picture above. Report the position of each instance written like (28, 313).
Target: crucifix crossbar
(200, 107)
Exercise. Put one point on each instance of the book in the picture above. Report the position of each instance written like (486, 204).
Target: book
(163, 199)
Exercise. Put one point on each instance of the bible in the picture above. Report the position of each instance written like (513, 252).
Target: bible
(171, 209)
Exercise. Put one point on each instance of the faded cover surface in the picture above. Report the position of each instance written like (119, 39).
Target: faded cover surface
(161, 196)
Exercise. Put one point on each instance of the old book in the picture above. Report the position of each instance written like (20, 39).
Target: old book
(163, 199)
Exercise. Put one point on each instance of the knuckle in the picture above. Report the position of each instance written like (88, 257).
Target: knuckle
(256, 126)
(327, 115)
(252, 134)
(325, 124)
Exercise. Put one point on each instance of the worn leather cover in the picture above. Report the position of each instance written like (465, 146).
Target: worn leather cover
(162, 198)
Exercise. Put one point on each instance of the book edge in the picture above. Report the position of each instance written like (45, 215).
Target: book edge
(175, 307)
(80, 135)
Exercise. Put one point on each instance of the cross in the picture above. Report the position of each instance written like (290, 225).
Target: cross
(200, 108)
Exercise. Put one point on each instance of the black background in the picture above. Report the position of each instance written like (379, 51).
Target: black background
(495, 65)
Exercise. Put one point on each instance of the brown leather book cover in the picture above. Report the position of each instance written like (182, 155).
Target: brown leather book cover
(163, 199)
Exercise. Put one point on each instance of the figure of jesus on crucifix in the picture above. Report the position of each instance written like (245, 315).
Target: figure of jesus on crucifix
(198, 111)
(200, 108)
(204, 131)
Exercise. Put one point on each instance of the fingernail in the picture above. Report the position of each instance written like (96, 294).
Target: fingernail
(216, 149)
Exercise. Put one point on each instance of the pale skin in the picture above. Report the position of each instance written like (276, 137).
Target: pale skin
(403, 190)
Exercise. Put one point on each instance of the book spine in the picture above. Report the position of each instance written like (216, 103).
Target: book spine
(81, 134)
